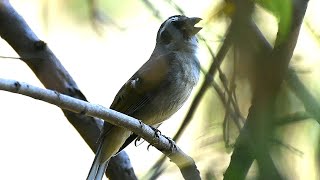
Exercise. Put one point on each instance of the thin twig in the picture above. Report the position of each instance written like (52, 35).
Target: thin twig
(287, 146)
(9, 57)
(234, 106)
(173, 4)
(314, 33)
(98, 18)
(154, 10)
(310, 103)
(292, 118)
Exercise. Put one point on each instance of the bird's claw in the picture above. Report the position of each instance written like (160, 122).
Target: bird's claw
(136, 141)
(157, 133)
(141, 124)
(173, 146)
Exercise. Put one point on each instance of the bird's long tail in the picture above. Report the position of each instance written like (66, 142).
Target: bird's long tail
(98, 167)
(116, 137)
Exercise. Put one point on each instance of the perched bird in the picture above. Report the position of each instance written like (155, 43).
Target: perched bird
(158, 89)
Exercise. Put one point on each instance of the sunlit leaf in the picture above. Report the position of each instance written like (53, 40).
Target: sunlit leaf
(282, 10)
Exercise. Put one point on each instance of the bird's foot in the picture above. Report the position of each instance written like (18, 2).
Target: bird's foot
(173, 146)
(137, 140)
(157, 132)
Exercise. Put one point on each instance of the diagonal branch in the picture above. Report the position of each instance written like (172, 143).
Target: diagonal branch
(185, 163)
(49, 70)
(309, 101)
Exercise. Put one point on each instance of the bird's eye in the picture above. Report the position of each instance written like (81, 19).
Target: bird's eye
(166, 37)
(178, 24)
(182, 27)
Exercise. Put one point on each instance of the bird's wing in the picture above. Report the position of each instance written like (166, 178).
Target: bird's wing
(141, 87)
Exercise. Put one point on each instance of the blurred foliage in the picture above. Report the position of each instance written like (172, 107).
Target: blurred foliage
(80, 9)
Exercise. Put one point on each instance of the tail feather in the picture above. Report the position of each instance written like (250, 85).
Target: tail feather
(98, 168)
(101, 170)
(116, 137)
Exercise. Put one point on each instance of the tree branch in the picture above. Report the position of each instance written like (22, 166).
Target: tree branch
(49, 70)
(185, 163)
(309, 101)
(252, 141)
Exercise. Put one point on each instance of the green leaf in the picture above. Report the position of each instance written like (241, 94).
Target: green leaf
(282, 10)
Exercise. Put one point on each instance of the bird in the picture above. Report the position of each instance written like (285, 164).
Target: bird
(157, 90)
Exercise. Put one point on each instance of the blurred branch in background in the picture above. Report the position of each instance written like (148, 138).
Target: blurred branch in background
(315, 33)
(156, 13)
(294, 117)
(99, 19)
(309, 101)
(252, 142)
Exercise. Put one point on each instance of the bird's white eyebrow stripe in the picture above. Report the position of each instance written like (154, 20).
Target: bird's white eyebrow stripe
(174, 19)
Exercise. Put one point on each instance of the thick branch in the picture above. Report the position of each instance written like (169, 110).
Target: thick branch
(37, 55)
(185, 163)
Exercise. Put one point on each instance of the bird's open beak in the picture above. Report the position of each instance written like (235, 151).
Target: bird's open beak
(192, 22)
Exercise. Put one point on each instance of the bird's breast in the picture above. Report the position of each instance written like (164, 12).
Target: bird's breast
(182, 77)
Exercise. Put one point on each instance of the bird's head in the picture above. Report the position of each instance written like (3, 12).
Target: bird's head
(178, 31)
